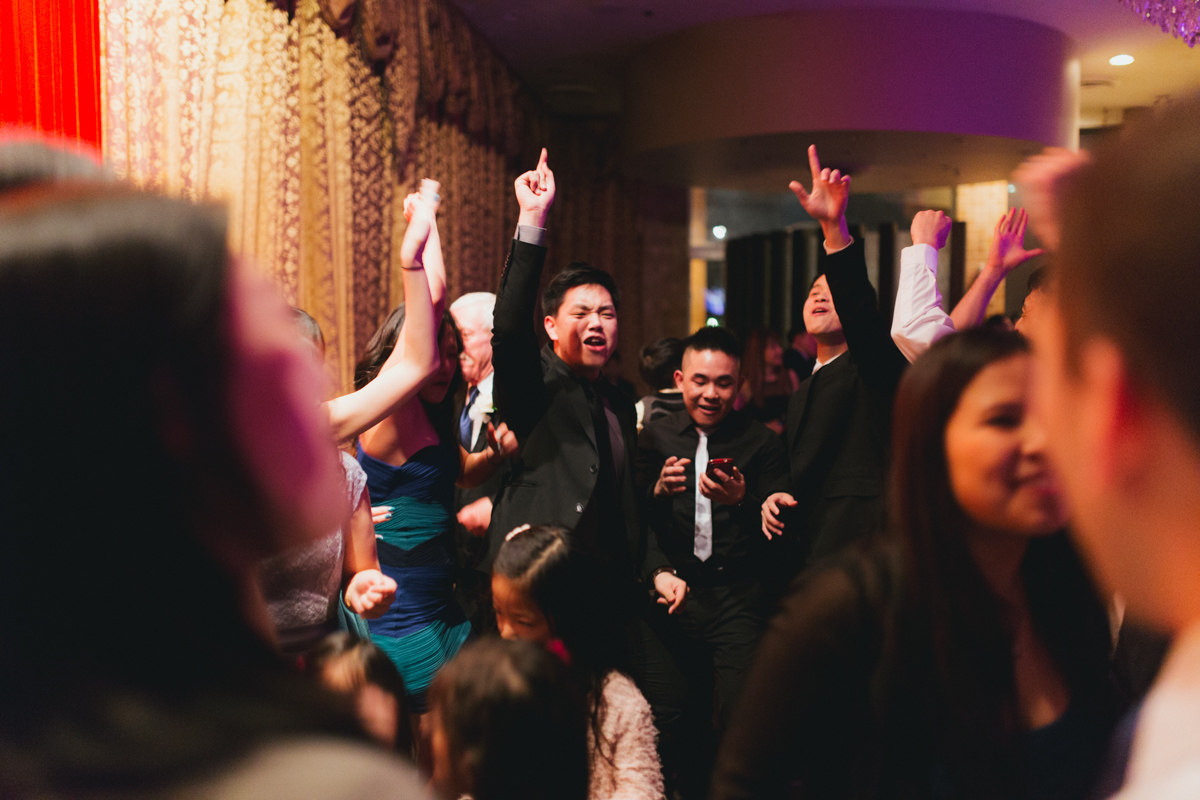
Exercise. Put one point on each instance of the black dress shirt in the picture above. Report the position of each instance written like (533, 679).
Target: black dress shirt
(737, 540)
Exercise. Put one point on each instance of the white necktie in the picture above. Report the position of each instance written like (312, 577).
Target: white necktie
(703, 546)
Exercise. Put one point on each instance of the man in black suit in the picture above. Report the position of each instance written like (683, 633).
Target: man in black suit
(577, 434)
(839, 421)
(705, 518)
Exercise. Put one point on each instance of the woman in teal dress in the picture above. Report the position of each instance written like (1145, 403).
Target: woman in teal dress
(413, 461)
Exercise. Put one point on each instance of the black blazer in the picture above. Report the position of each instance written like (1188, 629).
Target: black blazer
(839, 421)
(553, 477)
(739, 547)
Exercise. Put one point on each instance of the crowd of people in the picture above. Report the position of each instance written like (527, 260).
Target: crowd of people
(939, 558)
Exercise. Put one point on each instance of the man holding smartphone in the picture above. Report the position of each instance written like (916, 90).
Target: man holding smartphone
(702, 473)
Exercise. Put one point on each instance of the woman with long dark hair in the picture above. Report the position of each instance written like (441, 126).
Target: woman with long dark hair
(965, 655)
(161, 435)
(413, 461)
(769, 383)
(544, 591)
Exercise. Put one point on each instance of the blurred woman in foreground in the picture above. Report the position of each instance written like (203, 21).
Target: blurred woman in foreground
(966, 656)
(161, 435)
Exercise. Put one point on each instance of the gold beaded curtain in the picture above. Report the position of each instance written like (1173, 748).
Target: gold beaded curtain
(313, 144)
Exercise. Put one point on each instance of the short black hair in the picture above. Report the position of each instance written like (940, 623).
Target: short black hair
(577, 273)
(714, 338)
(1039, 278)
(659, 361)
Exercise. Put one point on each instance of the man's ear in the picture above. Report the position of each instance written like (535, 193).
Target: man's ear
(551, 328)
(679, 379)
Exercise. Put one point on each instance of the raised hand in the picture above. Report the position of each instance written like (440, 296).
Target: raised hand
(369, 593)
(420, 222)
(535, 193)
(1008, 243)
(772, 507)
(826, 203)
(1041, 179)
(931, 228)
(429, 192)
(673, 478)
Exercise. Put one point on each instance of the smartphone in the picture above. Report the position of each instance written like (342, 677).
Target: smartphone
(723, 464)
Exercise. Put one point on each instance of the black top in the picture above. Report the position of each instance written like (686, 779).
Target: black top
(842, 703)
(737, 540)
(562, 474)
(839, 421)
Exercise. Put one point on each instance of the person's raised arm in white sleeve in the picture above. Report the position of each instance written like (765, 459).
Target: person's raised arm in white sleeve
(919, 319)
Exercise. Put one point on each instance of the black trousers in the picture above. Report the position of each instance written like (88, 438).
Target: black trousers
(691, 666)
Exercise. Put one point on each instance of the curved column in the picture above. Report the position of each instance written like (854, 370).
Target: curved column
(904, 97)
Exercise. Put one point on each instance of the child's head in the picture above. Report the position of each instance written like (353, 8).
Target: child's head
(532, 584)
(354, 667)
(546, 591)
(508, 722)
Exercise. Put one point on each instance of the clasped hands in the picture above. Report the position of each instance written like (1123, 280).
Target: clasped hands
(728, 488)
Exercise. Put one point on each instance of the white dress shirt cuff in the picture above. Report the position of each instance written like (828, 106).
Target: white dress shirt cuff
(531, 234)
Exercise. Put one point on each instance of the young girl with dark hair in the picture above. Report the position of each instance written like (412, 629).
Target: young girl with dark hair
(508, 723)
(413, 461)
(965, 655)
(543, 591)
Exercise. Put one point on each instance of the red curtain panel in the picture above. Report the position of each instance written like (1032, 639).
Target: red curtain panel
(50, 67)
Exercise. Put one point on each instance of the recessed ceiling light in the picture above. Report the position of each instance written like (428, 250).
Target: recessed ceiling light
(1121, 60)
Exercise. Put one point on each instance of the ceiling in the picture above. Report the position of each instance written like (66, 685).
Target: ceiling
(572, 52)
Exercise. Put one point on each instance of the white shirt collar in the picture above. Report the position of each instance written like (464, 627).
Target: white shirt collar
(485, 385)
(818, 363)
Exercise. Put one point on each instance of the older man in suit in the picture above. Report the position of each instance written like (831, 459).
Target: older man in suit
(839, 420)
(578, 434)
(473, 313)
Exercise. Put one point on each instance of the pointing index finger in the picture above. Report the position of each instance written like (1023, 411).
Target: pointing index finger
(814, 163)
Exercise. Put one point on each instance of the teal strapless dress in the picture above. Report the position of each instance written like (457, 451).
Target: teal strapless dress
(425, 627)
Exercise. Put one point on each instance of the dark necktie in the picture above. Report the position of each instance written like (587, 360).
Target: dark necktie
(465, 423)
(600, 426)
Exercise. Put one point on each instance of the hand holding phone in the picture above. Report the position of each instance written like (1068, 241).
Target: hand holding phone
(723, 464)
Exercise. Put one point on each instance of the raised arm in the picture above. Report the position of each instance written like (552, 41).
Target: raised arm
(878, 359)
(415, 356)
(826, 203)
(919, 319)
(1006, 253)
(435, 265)
(518, 387)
